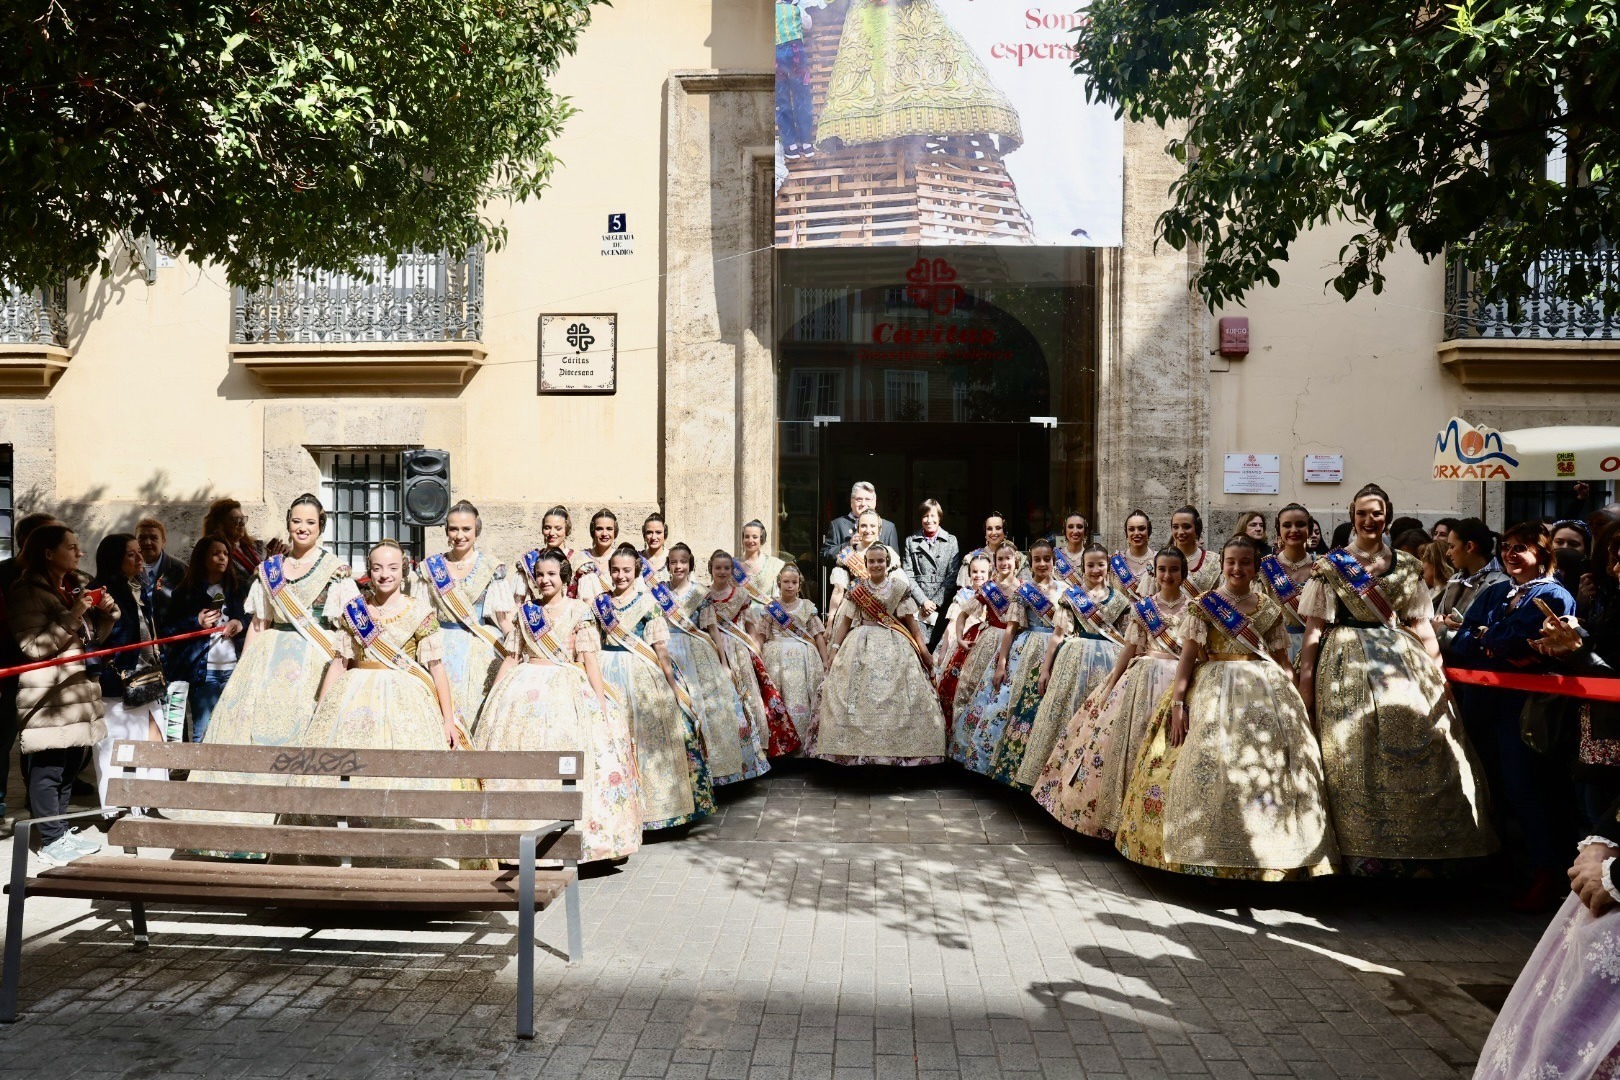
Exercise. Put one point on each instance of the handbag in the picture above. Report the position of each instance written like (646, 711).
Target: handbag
(1549, 725)
(144, 685)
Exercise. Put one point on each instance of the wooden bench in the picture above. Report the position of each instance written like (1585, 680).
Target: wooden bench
(248, 885)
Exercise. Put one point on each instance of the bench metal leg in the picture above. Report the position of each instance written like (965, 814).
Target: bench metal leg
(525, 938)
(137, 918)
(14, 923)
(576, 937)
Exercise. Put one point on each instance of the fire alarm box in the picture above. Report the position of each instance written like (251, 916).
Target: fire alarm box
(1234, 335)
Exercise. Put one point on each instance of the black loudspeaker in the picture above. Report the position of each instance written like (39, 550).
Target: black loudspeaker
(427, 486)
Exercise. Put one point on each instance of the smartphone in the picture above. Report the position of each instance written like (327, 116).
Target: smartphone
(1545, 610)
(93, 597)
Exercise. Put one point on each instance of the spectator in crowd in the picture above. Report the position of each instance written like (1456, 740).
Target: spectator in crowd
(1313, 539)
(1442, 529)
(132, 683)
(10, 570)
(1341, 534)
(1496, 634)
(1569, 567)
(1572, 534)
(160, 572)
(1252, 524)
(213, 593)
(227, 519)
(1471, 548)
(1436, 570)
(931, 559)
(1412, 541)
(1403, 525)
(59, 708)
(862, 497)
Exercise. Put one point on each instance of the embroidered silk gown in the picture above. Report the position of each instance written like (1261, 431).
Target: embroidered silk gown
(1402, 779)
(979, 732)
(1142, 568)
(1203, 570)
(470, 659)
(1243, 796)
(731, 742)
(675, 787)
(979, 656)
(590, 576)
(793, 662)
(543, 705)
(762, 574)
(1083, 661)
(731, 615)
(1083, 782)
(877, 705)
(376, 706)
(1299, 573)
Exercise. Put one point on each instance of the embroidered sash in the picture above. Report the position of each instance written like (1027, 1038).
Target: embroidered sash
(1276, 575)
(1087, 609)
(273, 573)
(863, 597)
(608, 616)
(436, 571)
(746, 580)
(855, 564)
(1122, 571)
(537, 630)
(995, 598)
(1358, 580)
(359, 619)
(1236, 624)
(783, 618)
(1157, 627)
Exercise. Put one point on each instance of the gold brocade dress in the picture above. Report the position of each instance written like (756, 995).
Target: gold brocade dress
(793, 662)
(901, 70)
(1203, 571)
(734, 747)
(982, 654)
(1402, 779)
(375, 706)
(1242, 796)
(470, 660)
(1083, 782)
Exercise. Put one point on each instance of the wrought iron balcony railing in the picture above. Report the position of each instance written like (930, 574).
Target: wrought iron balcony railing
(33, 318)
(1537, 313)
(426, 296)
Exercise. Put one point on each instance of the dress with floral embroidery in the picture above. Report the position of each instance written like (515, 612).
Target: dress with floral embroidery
(470, 659)
(792, 660)
(728, 616)
(731, 742)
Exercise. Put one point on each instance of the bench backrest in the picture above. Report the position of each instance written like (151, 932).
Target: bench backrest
(277, 789)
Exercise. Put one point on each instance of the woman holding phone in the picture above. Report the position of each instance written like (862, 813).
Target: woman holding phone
(212, 594)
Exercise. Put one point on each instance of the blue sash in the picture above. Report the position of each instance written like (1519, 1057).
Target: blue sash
(358, 616)
(1065, 568)
(275, 576)
(1152, 619)
(998, 599)
(1234, 622)
(1088, 610)
(438, 568)
(1277, 577)
(605, 611)
(1122, 571)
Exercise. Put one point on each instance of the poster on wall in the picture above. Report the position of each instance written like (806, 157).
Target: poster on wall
(923, 122)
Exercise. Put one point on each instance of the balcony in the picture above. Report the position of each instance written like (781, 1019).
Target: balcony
(33, 338)
(415, 327)
(1538, 341)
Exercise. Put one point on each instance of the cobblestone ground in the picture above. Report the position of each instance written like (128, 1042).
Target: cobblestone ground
(830, 924)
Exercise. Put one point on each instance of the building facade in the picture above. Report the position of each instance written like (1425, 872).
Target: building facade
(752, 382)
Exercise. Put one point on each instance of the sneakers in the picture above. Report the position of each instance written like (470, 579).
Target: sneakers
(61, 851)
(85, 842)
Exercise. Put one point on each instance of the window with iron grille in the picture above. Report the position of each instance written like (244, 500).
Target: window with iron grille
(905, 395)
(8, 511)
(363, 492)
(1548, 500)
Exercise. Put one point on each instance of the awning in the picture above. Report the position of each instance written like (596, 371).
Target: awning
(1465, 452)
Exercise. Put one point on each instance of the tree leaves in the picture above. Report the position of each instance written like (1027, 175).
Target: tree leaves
(267, 135)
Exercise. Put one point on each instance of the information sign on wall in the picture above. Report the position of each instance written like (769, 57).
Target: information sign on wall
(1253, 474)
(1324, 468)
(579, 354)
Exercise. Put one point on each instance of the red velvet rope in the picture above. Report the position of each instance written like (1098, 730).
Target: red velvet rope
(1575, 686)
(77, 658)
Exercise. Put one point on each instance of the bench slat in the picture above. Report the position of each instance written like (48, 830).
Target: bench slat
(276, 797)
(487, 898)
(329, 761)
(333, 842)
(207, 873)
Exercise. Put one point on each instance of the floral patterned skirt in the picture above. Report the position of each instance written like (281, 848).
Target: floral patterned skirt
(470, 663)
(795, 667)
(981, 655)
(974, 741)
(552, 707)
(1081, 663)
(669, 765)
(877, 705)
(731, 742)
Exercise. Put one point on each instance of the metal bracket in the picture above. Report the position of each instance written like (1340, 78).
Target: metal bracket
(823, 421)
(1049, 422)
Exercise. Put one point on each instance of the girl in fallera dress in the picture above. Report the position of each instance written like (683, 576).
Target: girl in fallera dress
(1285, 571)
(761, 566)
(1083, 782)
(591, 573)
(734, 747)
(555, 528)
(1073, 666)
(1229, 780)
(1137, 555)
(1402, 779)
(654, 534)
(964, 619)
(1076, 538)
(473, 600)
(549, 695)
(795, 652)
(877, 706)
(995, 535)
(387, 689)
(726, 616)
(1187, 536)
(675, 787)
(852, 560)
(1012, 686)
(997, 599)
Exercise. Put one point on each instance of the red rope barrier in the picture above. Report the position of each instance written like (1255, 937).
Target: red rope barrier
(1575, 686)
(6, 673)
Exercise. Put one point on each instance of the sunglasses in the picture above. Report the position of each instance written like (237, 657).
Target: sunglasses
(1519, 549)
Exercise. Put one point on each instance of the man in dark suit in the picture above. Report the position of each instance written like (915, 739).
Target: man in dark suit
(161, 573)
(930, 557)
(862, 497)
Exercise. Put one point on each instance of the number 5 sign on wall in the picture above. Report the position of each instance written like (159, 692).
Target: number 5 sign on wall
(579, 354)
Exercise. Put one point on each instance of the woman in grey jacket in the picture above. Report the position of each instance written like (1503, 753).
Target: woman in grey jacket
(58, 708)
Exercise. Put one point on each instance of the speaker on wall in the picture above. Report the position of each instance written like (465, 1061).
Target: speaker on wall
(427, 486)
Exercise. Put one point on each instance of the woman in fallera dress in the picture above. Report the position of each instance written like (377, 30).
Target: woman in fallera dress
(997, 599)
(734, 747)
(995, 535)
(1136, 557)
(387, 689)
(1285, 571)
(877, 706)
(761, 566)
(727, 618)
(674, 781)
(591, 572)
(1083, 782)
(795, 650)
(1229, 780)
(654, 552)
(1073, 666)
(1076, 538)
(473, 601)
(1402, 780)
(549, 695)
(1012, 686)
(1187, 536)
(555, 528)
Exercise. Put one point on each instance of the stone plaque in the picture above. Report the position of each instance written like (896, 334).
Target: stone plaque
(579, 354)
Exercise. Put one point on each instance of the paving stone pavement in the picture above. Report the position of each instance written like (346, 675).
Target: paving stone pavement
(829, 924)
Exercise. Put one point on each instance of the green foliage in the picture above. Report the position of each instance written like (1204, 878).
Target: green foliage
(264, 135)
(1423, 123)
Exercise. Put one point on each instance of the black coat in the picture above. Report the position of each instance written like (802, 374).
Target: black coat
(187, 661)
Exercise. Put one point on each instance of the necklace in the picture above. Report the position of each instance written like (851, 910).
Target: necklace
(1362, 557)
